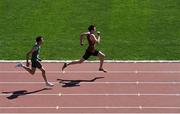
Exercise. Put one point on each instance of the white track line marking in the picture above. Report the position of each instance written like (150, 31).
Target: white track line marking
(122, 94)
(57, 107)
(28, 107)
(100, 107)
(50, 94)
(137, 82)
(138, 94)
(90, 113)
(140, 107)
(116, 107)
(97, 61)
(112, 72)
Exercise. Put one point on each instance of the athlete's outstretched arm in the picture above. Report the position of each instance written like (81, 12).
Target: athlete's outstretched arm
(82, 37)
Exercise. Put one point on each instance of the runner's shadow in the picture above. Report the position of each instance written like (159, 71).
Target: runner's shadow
(74, 83)
(16, 94)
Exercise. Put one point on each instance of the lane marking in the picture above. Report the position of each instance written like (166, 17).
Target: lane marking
(100, 107)
(139, 94)
(106, 94)
(140, 107)
(103, 107)
(57, 107)
(123, 94)
(109, 72)
(133, 82)
(136, 72)
(97, 61)
(91, 113)
(27, 107)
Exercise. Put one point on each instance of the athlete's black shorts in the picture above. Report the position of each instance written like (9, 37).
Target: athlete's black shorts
(88, 54)
(36, 64)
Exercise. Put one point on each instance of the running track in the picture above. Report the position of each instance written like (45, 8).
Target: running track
(126, 88)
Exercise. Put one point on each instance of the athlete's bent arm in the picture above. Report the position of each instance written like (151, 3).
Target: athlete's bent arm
(28, 55)
(96, 39)
(82, 37)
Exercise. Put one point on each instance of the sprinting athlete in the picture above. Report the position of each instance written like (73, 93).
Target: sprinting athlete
(35, 60)
(90, 51)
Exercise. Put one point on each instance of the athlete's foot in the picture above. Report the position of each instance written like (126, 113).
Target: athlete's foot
(19, 65)
(49, 84)
(64, 66)
(104, 70)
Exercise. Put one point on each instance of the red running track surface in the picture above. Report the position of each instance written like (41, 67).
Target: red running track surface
(126, 88)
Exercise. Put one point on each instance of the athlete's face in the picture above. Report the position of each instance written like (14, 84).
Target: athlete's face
(94, 30)
(41, 42)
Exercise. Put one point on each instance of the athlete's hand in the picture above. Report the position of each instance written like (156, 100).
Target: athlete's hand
(39, 59)
(27, 64)
(98, 33)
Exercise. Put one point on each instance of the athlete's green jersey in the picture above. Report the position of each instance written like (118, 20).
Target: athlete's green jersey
(35, 54)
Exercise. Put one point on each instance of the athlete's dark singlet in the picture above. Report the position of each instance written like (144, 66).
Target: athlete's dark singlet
(91, 42)
(35, 54)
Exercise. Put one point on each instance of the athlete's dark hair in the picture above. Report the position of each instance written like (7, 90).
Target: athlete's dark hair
(38, 39)
(91, 27)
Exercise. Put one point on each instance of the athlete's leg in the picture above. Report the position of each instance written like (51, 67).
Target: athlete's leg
(43, 74)
(45, 78)
(76, 62)
(73, 62)
(31, 71)
(38, 65)
(101, 58)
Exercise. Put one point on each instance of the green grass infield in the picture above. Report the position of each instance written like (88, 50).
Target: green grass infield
(130, 29)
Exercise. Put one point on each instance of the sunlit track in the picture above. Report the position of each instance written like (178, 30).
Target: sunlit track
(148, 88)
(133, 82)
(95, 94)
(111, 72)
(106, 107)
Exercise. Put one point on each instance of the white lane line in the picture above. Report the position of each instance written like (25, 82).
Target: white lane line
(136, 107)
(161, 107)
(136, 94)
(136, 82)
(89, 113)
(112, 72)
(47, 94)
(103, 107)
(27, 107)
(122, 94)
(97, 61)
